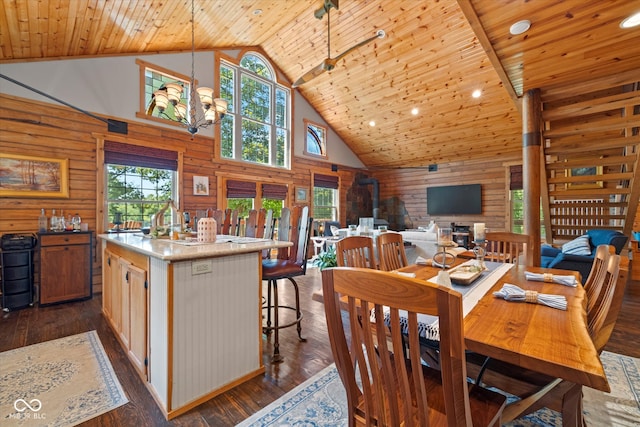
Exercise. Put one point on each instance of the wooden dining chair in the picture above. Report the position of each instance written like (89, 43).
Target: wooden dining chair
(294, 265)
(255, 223)
(504, 246)
(230, 225)
(537, 390)
(355, 251)
(218, 215)
(391, 253)
(384, 387)
(598, 269)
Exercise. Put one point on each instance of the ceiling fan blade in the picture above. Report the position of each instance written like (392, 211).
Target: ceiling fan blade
(379, 35)
(329, 63)
(313, 73)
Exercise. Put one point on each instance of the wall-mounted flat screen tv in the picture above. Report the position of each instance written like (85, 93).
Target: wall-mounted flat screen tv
(454, 200)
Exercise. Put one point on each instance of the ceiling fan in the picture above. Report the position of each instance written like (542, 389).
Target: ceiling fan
(329, 63)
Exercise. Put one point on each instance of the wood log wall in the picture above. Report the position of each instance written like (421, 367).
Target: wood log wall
(48, 130)
(409, 185)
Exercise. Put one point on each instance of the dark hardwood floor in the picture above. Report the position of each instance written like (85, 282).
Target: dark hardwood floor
(301, 360)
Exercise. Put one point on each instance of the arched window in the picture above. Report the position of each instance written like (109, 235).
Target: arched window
(316, 144)
(257, 128)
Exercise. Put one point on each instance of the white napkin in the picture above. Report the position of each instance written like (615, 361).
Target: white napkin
(514, 293)
(423, 261)
(402, 273)
(552, 278)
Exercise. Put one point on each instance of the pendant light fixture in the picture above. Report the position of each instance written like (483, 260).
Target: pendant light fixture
(214, 109)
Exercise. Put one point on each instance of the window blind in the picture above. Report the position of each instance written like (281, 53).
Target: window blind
(325, 181)
(515, 181)
(274, 191)
(240, 189)
(117, 153)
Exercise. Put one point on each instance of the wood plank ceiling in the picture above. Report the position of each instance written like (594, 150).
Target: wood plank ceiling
(435, 55)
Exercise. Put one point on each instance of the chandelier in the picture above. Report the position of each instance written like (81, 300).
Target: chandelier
(214, 109)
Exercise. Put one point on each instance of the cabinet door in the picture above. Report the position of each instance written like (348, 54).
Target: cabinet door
(116, 294)
(138, 318)
(68, 273)
(110, 287)
(124, 301)
(107, 269)
(79, 283)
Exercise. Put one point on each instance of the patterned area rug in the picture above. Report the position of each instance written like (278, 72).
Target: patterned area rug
(57, 383)
(320, 401)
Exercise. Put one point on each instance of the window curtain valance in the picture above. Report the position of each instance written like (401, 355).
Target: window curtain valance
(240, 189)
(325, 181)
(274, 191)
(515, 181)
(118, 153)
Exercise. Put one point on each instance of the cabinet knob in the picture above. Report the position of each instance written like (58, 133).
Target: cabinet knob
(66, 239)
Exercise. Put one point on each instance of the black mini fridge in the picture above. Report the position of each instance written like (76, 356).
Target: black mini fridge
(16, 270)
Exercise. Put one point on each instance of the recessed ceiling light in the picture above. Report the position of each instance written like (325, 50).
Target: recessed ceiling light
(372, 123)
(476, 93)
(257, 12)
(631, 21)
(414, 111)
(520, 27)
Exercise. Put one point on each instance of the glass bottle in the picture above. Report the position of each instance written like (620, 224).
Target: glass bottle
(54, 221)
(42, 222)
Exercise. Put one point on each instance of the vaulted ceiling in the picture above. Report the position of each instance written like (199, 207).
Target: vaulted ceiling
(434, 55)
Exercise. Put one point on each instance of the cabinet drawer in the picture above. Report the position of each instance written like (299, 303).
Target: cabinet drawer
(65, 239)
(15, 259)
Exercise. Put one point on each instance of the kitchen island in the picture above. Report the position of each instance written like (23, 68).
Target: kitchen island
(188, 314)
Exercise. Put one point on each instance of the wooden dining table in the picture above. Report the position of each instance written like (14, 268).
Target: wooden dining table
(533, 336)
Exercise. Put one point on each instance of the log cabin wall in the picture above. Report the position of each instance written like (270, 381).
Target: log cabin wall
(48, 130)
(409, 186)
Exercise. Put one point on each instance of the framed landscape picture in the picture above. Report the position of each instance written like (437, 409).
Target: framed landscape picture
(28, 176)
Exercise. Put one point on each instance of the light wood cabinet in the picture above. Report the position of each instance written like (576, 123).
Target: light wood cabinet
(110, 288)
(125, 302)
(65, 266)
(138, 317)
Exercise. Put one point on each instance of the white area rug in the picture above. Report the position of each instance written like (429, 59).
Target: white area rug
(63, 382)
(320, 401)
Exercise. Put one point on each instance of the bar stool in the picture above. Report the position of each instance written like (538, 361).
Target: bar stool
(292, 265)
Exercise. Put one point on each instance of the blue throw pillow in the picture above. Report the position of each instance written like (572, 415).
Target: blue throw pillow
(578, 246)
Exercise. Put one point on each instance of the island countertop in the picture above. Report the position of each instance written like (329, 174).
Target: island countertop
(179, 250)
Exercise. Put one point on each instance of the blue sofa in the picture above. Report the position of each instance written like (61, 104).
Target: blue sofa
(552, 257)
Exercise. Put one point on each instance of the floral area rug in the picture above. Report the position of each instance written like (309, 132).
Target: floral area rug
(61, 382)
(320, 401)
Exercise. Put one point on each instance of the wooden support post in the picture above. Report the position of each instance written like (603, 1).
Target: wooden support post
(531, 154)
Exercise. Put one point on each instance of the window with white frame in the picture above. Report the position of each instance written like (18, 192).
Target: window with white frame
(139, 181)
(325, 197)
(257, 126)
(316, 142)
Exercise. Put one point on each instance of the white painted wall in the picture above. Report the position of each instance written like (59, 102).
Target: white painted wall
(110, 86)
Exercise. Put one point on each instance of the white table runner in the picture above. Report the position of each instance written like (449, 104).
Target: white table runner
(428, 326)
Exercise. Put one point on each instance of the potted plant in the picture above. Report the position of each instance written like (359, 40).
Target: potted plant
(326, 259)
